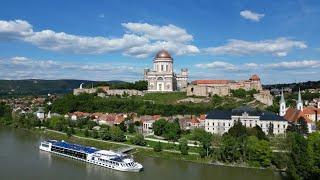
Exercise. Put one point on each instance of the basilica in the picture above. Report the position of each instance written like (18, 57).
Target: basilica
(162, 78)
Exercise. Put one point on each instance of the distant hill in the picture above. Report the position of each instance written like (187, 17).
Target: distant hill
(42, 87)
(296, 86)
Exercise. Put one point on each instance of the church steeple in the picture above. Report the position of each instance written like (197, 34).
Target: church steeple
(282, 110)
(299, 102)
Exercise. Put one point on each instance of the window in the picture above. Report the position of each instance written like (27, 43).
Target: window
(161, 67)
(167, 69)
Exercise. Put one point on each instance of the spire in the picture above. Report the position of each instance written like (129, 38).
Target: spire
(282, 97)
(299, 102)
(283, 109)
(299, 96)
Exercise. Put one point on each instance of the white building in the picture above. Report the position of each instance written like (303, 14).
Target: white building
(162, 78)
(219, 122)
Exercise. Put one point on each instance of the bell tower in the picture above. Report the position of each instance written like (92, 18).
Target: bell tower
(283, 109)
(299, 102)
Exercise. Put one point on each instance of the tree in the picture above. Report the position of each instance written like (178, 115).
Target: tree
(123, 127)
(238, 130)
(257, 132)
(314, 145)
(204, 138)
(183, 146)
(172, 131)
(229, 149)
(258, 152)
(105, 134)
(117, 134)
(300, 163)
(86, 132)
(270, 129)
(138, 139)
(131, 128)
(95, 134)
(157, 147)
(158, 127)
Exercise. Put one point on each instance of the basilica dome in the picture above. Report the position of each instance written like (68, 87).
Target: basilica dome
(163, 54)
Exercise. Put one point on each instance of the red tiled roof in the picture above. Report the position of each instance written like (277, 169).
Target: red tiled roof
(293, 115)
(255, 77)
(210, 81)
(311, 110)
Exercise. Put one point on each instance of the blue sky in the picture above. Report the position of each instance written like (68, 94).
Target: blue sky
(108, 40)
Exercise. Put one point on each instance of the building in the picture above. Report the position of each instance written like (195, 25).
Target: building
(219, 122)
(40, 113)
(162, 78)
(222, 87)
(310, 115)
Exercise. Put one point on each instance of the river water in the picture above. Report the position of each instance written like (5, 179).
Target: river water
(21, 159)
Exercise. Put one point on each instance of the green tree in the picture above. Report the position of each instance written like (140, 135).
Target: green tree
(117, 134)
(172, 131)
(131, 128)
(314, 146)
(123, 126)
(138, 139)
(258, 152)
(257, 132)
(157, 147)
(105, 134)
(86, 132)
(300, 162)
(183, 146)
(95, 134)
(229, 149)
(270, 129)
(238, 130)
(159, 126)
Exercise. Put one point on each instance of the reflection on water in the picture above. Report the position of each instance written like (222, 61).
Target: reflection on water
(21, 159)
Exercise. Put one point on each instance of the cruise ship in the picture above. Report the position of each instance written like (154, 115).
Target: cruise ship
(104, 158)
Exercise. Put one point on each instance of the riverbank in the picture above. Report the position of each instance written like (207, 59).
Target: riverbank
(142, 150)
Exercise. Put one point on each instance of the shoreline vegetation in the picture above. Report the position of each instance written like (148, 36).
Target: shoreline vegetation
(297, 153)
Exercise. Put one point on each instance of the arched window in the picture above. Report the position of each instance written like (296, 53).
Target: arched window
(160, 79)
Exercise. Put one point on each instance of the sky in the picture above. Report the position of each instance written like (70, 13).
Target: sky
(115, 40)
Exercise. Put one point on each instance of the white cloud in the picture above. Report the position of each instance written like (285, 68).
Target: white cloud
(284, 65)
(294, 64)
(251, 15)
(154, 32)
(218, 65)
(15, 29)
(26, 68)
(278, 47)
(141, 40)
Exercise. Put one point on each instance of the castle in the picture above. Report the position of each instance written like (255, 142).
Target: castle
(222, 87)
(162, 78)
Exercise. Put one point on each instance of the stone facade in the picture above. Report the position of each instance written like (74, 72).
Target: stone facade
(264, 97)
(162, 78)
(222, 87)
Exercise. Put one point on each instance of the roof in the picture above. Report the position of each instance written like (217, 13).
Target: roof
(212, 81)
(264, 116)
(163, 54)
(311, 110)
(75, 147)
(255, 78)
(218, 114)
(245, 109)
(293, 115)
(267, 116)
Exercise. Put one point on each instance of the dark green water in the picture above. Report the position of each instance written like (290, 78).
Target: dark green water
(20, 159)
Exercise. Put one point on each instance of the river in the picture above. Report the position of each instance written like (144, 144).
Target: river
(21, 159)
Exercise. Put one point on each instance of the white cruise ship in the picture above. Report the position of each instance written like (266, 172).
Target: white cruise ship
(104, 158)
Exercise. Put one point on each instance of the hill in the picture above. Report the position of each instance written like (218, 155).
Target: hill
(42, 87)
(296, 86)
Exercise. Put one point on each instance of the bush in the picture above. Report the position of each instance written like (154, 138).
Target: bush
(157, 147)
(117, 134)
(138, 139)
(183, 146)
